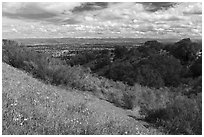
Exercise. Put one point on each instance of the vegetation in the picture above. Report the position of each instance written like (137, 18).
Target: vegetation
(33, 114)
(172, 110)
(172, 99)
(57, 72)
(152, 64)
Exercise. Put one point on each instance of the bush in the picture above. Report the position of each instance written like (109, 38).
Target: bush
(121, 72)
(167, 68)
(145, 75)
(182, 115)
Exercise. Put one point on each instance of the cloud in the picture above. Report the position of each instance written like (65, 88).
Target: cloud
(172, 18)
(70, 21)
(194, 8)
(155, 6)
(160, 19)
(36, 11)
(33, 16)
(25, 10)
(89, 6)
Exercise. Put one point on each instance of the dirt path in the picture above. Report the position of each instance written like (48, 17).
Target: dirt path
(52, 101)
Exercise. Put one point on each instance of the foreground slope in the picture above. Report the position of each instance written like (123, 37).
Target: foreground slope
(32, 107)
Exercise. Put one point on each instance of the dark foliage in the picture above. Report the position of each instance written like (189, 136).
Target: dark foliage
(120, 52)
(182, 115)
(168, 67)
(93, 59)
(185, 50)
(196, 67)
(152, 64)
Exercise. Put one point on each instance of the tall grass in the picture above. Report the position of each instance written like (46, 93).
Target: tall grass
(22, 117)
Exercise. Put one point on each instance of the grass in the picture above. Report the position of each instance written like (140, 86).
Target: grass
(177, 113)
(30, 107)
(20, 118)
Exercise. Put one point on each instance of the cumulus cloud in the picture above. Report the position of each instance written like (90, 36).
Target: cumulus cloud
(155, 6)
(158, 19)
(89, 6)
(36, 11)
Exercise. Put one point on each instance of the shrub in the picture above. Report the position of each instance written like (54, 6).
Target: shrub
(182, 115)
(167, 66)
(145, 75)
(122, 72)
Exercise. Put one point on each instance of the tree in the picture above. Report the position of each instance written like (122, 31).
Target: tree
(196, 67)
(146, 75)
(167, 66)
(154, 44)
(120, 51)
(186, 51)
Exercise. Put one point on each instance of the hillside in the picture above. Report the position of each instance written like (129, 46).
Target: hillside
(161, 88)
(31, 107)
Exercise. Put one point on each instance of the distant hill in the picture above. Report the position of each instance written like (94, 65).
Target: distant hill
(89, 40)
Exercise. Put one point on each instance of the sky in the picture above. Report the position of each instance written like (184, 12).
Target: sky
(102, 20)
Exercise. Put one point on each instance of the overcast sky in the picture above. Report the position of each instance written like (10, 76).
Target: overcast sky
(138, 20)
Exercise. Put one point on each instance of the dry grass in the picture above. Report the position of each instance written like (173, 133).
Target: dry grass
(31, 107)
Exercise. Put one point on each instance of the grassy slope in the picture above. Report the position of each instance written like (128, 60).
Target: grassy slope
(31, 107)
